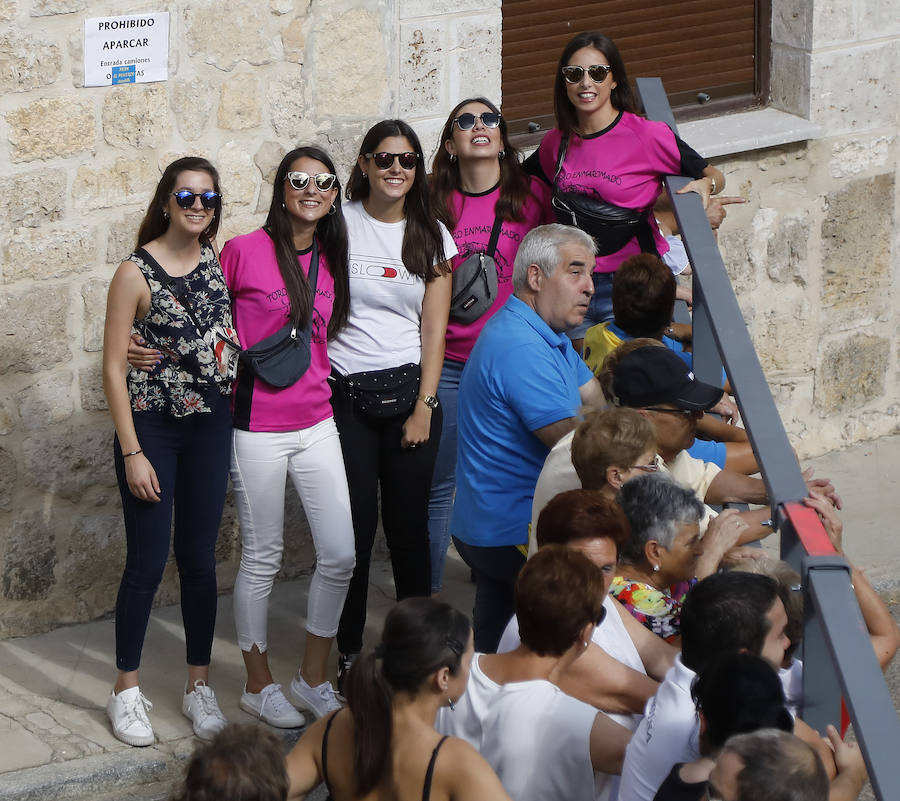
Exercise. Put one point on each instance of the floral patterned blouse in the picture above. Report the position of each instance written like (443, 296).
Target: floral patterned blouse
(182, 383)
(658, 610)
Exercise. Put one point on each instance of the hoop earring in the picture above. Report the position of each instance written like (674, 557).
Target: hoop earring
(453, 158)
(501, 155)
(332, 210)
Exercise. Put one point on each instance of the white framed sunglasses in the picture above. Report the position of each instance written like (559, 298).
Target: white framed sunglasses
(300, 180)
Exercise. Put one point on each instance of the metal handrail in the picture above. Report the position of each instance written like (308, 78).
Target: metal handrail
(837, 652)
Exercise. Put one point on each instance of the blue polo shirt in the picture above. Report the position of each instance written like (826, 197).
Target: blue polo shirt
(520, 377)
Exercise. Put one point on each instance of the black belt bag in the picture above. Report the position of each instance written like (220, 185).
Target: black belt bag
(475, 282)
(611, 226)
(384, 393)
(282, 358)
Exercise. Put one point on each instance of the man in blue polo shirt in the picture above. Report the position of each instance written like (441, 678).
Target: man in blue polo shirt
(519, 393)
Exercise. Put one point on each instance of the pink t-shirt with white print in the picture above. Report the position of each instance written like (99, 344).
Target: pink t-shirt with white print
(261, 306)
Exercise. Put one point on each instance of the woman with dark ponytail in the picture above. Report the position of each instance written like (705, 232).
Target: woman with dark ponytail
(385, 742)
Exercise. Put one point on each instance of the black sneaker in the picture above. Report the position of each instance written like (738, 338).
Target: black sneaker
(344, 663)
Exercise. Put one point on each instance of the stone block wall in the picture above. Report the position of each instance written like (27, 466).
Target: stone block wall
(814, 254)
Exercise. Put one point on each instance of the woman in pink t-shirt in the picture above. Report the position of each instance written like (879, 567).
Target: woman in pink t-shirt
(612, 154)
(476, 184)
(290, 431)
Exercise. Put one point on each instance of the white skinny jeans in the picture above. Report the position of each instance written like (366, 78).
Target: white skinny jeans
(260, 461)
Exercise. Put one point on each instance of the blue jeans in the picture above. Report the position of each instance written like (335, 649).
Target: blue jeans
(443, 484)
(600, 309)
(191, 457)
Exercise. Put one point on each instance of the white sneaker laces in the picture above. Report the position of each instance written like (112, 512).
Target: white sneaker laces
(136, 711)
(274, 697)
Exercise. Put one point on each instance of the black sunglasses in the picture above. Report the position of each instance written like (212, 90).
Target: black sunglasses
(466, 122)
(300, 180)
(385, 160)
(598, 73)
(185, 198)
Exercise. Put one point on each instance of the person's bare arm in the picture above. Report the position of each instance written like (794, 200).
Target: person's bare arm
(605, 683)
(467, 774)
(303, 764)
(721, 536)
(128, 298)
(553, 433)
(141, 357)
(883, 631)
(592, 394)
(729, 486)
(851, 769)
(809, 735)
(608, 743)
(435, 311)
(656, 654)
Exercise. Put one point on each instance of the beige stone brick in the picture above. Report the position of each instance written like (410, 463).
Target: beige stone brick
(51, 128)
(860, 154)
(239, 103)
(93, 295)
(46, 8)
(287, 6)
(136, 116)
(435, 8)
(84, 467)
(30, 559)
(32, 198)
(33, 329)
(41, 253)
(122, 235)
(293, 40)
(192, 104)
(224, 32)
(786, 250)
(878, 18)
(856, 246)
(239, 175)
(792, 23)
(90, 386)
(93, 552)
(46, 402)
(475, 47)
(356, 87)
(267, 158)
(790, 80)
(9, 417)
(423, 57)
(126, 181)
(784, 337)
(793, 396)
(851, 372)
(8, 10)
(284, 97)
(27, 62)
(9, 473)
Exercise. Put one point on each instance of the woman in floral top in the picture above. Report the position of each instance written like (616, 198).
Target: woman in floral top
(666, 554)
(173, 428)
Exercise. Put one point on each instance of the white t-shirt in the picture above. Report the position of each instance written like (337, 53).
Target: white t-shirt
(537, 739)
(465, 721)
(384, 326)
(558, 475)
(668, 733)
(792, 683)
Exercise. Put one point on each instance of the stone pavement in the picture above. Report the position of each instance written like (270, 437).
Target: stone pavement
(55, 741)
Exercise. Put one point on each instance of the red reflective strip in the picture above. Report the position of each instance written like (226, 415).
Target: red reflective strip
(845, 717)
(809, 529)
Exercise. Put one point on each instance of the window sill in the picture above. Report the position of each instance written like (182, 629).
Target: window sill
(730, 134)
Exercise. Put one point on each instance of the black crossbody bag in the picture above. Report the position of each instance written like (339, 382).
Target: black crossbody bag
(611, 226)
(475, 282)
(282, 358)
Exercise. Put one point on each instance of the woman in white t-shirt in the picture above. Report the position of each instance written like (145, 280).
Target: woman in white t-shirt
(386, 363)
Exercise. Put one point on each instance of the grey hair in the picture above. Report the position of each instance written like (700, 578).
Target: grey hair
(541, 246)
(777, 767)
(655, 505)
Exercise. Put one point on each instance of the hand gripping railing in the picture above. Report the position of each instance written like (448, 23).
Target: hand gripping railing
(837, 653)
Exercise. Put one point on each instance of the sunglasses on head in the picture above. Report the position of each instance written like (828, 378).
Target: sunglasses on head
(466, 122)
(385, 160)
(300, 180)
(185, 198)
(597, 72)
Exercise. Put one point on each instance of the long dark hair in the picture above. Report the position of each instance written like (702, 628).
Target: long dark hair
(621, 97)
(155, 224)
(445, 173)
(423, 244)
(421, 635)
(331, 232)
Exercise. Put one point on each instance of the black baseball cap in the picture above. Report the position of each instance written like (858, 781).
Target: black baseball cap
(652, 375)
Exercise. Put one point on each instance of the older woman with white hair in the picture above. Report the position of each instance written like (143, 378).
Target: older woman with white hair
(666, 555)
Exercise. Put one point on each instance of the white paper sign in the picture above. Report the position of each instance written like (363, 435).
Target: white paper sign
(131, 49)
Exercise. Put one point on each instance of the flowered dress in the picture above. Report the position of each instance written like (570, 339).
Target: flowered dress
(658, 610)
(182, 383)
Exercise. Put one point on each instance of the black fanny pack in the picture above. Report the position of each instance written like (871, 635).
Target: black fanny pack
(384, 393)
(282, 358)
(611, 226)
(475, 282)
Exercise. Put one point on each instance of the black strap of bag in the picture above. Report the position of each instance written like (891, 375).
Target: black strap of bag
(495, 236)
(644, 232)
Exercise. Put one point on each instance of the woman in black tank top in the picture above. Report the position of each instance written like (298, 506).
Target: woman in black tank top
(385, 745)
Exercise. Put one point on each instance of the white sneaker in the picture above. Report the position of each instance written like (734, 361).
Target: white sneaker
(201, 708)
(271, 707)
(127, 713)
(319, 700)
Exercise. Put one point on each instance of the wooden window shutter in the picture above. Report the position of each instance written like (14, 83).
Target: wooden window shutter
(695, 46)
